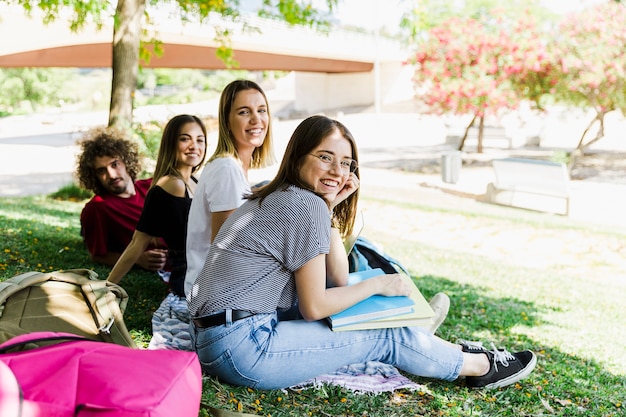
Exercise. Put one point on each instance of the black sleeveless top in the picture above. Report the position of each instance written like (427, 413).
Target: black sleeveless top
(165, 216)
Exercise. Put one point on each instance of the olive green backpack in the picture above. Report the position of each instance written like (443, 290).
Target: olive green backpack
(70, 301)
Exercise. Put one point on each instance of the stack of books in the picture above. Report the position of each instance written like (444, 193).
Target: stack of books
(379, 311)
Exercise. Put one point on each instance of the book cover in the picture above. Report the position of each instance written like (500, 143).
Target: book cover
(403, 320)
(420, 315)
(374, 307)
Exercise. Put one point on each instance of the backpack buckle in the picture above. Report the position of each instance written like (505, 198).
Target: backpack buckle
(106, 328)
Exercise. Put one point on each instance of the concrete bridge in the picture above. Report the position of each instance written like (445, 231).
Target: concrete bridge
(335, 70)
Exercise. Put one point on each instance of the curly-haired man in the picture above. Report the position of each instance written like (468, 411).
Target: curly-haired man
(108, 166)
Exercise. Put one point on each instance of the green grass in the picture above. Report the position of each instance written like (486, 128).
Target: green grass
(43, 234)
(571, 317)
(71, 192)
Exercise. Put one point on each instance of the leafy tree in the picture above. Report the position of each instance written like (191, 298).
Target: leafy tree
(590, 66)
(492, 61)
(131, 23)
(31, 86)
(470, 67)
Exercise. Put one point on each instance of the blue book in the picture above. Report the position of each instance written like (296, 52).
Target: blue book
(372, 308)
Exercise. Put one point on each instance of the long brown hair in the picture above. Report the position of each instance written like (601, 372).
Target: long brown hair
(263, 156)
(307, 136)
(166, 160)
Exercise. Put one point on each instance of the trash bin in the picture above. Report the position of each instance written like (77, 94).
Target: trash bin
(450, 166)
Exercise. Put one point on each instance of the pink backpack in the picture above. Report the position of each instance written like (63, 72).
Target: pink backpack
(78, 377)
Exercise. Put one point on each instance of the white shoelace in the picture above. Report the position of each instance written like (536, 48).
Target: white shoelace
(472, 346)
(501, 356)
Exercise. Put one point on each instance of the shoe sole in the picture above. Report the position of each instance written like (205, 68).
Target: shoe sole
(513, 378)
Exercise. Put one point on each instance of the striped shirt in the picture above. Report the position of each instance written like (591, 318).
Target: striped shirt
(251, 262)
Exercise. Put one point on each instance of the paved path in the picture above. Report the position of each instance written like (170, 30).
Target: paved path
(37, 156)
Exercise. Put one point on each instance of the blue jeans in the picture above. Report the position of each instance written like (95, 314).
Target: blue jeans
(265, 353)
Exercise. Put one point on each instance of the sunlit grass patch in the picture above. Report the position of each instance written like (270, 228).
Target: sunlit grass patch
(570, 317)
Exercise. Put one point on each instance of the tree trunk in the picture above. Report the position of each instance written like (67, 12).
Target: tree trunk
(126, 41)
(481, 130)
(582, 145)
(469, 126)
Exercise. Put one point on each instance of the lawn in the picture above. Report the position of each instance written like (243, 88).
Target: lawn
(522, 280)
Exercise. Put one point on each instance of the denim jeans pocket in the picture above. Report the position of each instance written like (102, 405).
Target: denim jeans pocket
(224, 368)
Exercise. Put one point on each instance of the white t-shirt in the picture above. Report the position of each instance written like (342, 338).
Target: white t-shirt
(221, 187)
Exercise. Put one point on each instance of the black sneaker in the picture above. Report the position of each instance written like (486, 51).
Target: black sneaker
(506, 369)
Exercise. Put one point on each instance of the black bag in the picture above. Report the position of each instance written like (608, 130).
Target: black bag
(366, 255)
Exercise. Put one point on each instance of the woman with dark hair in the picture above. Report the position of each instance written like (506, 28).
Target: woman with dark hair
(244, 142)
(165, 211)
(283, 248)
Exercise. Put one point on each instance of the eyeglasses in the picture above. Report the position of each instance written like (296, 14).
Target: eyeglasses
(328, 161)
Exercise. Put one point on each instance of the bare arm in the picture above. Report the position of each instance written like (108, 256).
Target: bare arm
(217, 220)
(317, 302)
(336, 261)
(131, 255)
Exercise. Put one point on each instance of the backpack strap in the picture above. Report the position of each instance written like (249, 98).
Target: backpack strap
(107, 302)
(88, 280)
(107, 319)
(367, 255)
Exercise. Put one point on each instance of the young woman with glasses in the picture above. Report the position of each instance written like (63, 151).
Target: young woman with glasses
(283, 248)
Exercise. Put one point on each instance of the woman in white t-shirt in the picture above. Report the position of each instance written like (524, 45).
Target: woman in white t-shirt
(244, 142)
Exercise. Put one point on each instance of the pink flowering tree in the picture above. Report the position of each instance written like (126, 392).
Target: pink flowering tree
(467, 67)
(590, 66)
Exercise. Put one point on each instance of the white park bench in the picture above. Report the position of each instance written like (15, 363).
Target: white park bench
(493, 137)
(530, 184)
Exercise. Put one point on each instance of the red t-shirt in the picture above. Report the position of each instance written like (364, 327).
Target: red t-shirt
(108, 221)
